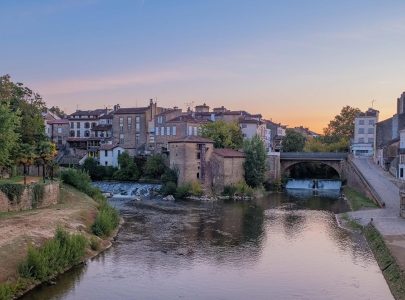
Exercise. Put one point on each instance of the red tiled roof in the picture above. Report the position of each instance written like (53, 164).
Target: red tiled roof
(229, 153)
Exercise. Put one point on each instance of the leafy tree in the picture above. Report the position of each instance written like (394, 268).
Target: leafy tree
(155, 166)
(293, 141)
(322, 144)
(95, 171)
(57, 111)
(342, 126)
(224, 135)
(25, 156)
(9, 136)
(47, 152)
(255, 162)
(128, 170)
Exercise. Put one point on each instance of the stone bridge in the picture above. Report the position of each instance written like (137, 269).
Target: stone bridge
(335, 160)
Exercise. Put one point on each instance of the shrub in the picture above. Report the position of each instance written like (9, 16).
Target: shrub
(196, 189)
(63, 251)
(38, 191)
(6, 292)
(229, 190)
(242, 189)
(183, 191)
(94, 244)
(154, 166)
(106, 221)
(170, 175)
(13, 191)
(168, 188)
(81, 181)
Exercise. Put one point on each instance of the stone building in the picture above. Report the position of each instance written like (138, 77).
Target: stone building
(58, 131)
(226, 168)
(109, 154)
(133, 128)
(190, 156)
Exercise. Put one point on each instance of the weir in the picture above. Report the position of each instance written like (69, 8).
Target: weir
(314, 184)
(127, 189)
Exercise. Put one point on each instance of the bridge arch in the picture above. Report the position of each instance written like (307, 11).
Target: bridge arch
(287, 166)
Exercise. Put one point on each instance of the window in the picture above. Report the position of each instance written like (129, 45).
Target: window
(87, 125)
(168, 130)
(401, 173)
(195, 130)
(105, 153)
(361, 130)
(162, 131)
(371, 141)
(370, 130)
(106, 163)
(244, 126)
(72, 125)
(78, 133)
(72, 133)
(129, 123)
(174, 130)
(361, 122)
(138, 119)
(198, 175)
(59, 129)
(157, 130)
(77, 124)
(160, 120)
(361, 140)
(59, 140)
(190, 130)
(87, 133)
(138, 127)
(137, 139)
(370, 122)
(94, 124)
(121, 138)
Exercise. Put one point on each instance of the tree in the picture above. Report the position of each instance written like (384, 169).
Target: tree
(293, 141)
(57, 111)
(255, 162)
(224, 135)
(25, 156)
(128, 170)
(321, 144)
(155, 166)
(47, 152)
(342, 126)
(95, 171)
(9, 136)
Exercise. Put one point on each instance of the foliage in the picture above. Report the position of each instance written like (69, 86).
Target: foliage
(255, 162)
(9, 136)
(323, 144)
(358, 200)
(229, 190)
(183, 191)
(128, 169)
(155, 166)
(293, 141)
(94, 243)
(97, 172)
(170, 175)
(81, 181)
(224, 134)
(6, 292)
(196, 189)
(342, 126)
(168, 188)
(106, 221)
(242, 189)
(57, 111)
(63, 251)
(38, 191)
(13, 191)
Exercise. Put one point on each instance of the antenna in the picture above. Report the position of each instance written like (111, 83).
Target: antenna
(189, 104)
(372, 103)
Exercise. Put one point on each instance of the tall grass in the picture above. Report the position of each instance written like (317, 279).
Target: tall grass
(106, 221)
(54, 256)
(81, 181)
(6, 292)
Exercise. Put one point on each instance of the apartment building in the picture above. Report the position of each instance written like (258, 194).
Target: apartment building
(364, 139)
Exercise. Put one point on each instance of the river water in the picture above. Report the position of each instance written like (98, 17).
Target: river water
(284, 246)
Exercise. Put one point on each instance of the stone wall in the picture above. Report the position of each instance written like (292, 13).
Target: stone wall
(226, 171)
(51, 196)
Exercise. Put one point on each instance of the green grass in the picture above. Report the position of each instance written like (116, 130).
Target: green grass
(357, 200)
(106, 221)
(352, 224)
(393, 274)
(15, 179)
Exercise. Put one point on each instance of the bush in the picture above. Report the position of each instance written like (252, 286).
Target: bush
(81, 181)
(38, 191)
(6, 292)
(106, 221)
(155, 166)
(63, 251)
(183, 191)
(168, 188)
(13, 191)
(229, 190)
(170, 175)
(94, 244)
(242, 189)
(196, 189)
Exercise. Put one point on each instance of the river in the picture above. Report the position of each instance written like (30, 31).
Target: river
(284, 246)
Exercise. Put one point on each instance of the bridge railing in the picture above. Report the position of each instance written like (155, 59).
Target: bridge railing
(313, 155)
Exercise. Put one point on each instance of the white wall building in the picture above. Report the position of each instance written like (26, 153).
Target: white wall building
(109, 154)
(364, 140)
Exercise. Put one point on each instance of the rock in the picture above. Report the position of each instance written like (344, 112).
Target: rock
(169, 198)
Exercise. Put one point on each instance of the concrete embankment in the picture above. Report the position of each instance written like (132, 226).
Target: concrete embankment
(74, 212)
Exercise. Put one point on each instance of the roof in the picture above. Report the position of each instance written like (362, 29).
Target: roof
(192, 139)
(108, 146)
(95, 112)
(60, 121)
(249, 121)
(187, 118)
(131, 110)
(226, 152)
(168, 111)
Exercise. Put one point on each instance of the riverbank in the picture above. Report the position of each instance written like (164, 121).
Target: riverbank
(75, 212)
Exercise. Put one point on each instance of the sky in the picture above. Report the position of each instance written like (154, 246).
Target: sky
(295, 62)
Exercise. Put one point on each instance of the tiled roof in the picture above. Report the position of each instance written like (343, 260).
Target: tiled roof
(229, 153)
(96, 112)
(187, 118)
(191, 139)
(131, 110)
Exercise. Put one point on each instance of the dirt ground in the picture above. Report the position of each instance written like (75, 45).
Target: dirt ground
(75, 212)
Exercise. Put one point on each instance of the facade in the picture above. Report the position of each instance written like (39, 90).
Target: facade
(109, 154)
(58, 132)
(134, 128)
(190, 156)
(277, 133)
(254, 126)
(226, 168)
(364, 141)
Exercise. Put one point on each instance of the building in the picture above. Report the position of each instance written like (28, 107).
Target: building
(252, 126)
(226, 168)
(306, 132)
(190, 156)
(134, 128)
(56, 129)
(277, 133)
(364, 140)
(109, 154)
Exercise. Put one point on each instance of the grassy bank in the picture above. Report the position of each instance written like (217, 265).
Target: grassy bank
(357, 200)
(394, 276)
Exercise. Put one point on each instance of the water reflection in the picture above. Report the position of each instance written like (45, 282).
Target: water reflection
(280, 247)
